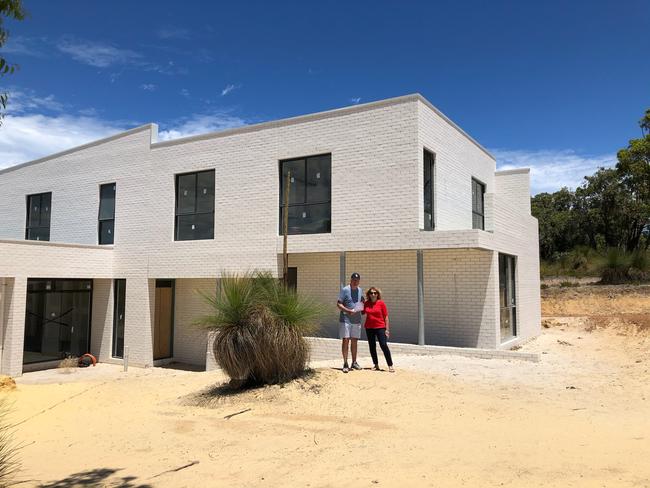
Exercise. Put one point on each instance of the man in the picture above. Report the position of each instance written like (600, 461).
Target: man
(350, 320)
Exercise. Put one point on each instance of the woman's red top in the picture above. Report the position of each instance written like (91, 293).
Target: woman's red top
(376, 314)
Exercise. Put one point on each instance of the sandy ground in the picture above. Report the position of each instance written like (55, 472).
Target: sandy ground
(580, 417)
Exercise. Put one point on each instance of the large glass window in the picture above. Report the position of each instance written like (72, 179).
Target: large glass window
(478, 215)
(429, 162)
(57, 319)
(195, 206)
(106, 227)
(119, 306)
(38, 217)
(310, 190)
(507, 296)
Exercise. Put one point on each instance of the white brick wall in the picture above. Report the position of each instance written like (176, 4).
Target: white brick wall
(189, 340)
(376, 206)
(101, 329)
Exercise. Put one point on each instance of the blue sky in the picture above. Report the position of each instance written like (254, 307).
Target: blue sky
(558, 85)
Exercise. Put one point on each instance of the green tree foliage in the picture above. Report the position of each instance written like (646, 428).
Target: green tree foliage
(8, 9)
(610, 209)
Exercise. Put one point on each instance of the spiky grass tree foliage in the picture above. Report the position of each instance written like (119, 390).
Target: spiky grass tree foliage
(8, 460)
(261, 326)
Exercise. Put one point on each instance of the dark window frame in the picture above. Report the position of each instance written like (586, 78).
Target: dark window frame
(29, 227)
(304, 202)
(476, 212)
(119, 303)
(184, 214)
(101, 220)
(429, 160)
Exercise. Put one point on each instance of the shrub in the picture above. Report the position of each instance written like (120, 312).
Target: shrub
(261, 326)
(615, 269)
(639, 260)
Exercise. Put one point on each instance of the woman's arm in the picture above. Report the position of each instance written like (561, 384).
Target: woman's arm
(385, 311)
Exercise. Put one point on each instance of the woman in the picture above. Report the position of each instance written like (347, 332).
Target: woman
(377, 326)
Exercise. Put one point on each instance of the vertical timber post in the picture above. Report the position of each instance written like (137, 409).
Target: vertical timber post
(285, 230)
(420, 272)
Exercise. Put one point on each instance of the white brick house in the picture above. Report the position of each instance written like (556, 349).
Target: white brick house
(180, 213)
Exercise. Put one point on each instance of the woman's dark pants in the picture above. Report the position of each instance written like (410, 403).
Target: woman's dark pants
(378, 334)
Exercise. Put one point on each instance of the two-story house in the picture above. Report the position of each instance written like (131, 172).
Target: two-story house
(106, 245)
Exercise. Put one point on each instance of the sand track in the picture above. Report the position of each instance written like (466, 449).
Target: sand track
(580, 417)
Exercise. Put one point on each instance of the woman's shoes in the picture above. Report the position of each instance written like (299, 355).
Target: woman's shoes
(391, 369)
(376, 368)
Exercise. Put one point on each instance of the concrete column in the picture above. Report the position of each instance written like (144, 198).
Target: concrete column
(342, 274)
(420, 280)
(13, 339)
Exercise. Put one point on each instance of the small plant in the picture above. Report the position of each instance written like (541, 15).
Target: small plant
(67, 365)
(8, 462)
(569, 284)
(261, 326)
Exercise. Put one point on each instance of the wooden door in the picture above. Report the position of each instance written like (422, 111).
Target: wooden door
(163, 320)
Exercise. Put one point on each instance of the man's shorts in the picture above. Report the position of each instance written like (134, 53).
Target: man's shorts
(347, 331)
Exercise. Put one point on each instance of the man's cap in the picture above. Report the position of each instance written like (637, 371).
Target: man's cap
(355, 276)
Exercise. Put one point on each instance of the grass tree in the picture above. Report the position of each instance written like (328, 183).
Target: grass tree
(261, 325)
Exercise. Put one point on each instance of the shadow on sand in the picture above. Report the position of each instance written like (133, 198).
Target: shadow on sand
(96, 477)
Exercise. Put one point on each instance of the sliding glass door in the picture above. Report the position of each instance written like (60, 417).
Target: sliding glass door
(507, 296)
(57, 319)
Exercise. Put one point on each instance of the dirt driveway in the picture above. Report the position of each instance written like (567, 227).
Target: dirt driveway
(580, 417)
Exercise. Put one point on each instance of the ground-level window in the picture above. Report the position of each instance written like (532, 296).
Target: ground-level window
(310, 194)
(478, 207)
(38, 217)
(507, 296)
(429, 166)
(119, 306)
(57, 319)
(194, 206)
(106, 226)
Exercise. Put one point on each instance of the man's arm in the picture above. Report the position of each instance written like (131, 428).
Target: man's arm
(344, 308)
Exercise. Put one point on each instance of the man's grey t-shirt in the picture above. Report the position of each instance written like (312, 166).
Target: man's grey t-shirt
(348, 297)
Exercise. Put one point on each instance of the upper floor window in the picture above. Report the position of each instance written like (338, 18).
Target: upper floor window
(429, 166)
(478, 214)
(38, 217)
(106, 225)
(194, 206)
(310, 194)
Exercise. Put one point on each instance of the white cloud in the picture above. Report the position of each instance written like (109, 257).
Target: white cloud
(31, 136)
(550, 170)
(185, 92)
(228, 89)
(27, 46)
(148, 86)
(201, 124)
(25, 101)
(97, 54)
(355, 100)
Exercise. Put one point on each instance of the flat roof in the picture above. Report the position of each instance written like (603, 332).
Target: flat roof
(257, 127)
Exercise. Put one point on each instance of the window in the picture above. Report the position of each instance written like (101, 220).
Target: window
(119, 306)
(106, 225)
(478, 216)
(195, 206)
(429, 166)
(38, 217)
(507, 296)
(310, 191)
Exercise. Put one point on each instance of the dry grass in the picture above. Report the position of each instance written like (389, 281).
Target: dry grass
(68, 365)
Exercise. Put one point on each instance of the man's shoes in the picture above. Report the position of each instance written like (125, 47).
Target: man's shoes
(345, 368)
(356, 366)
